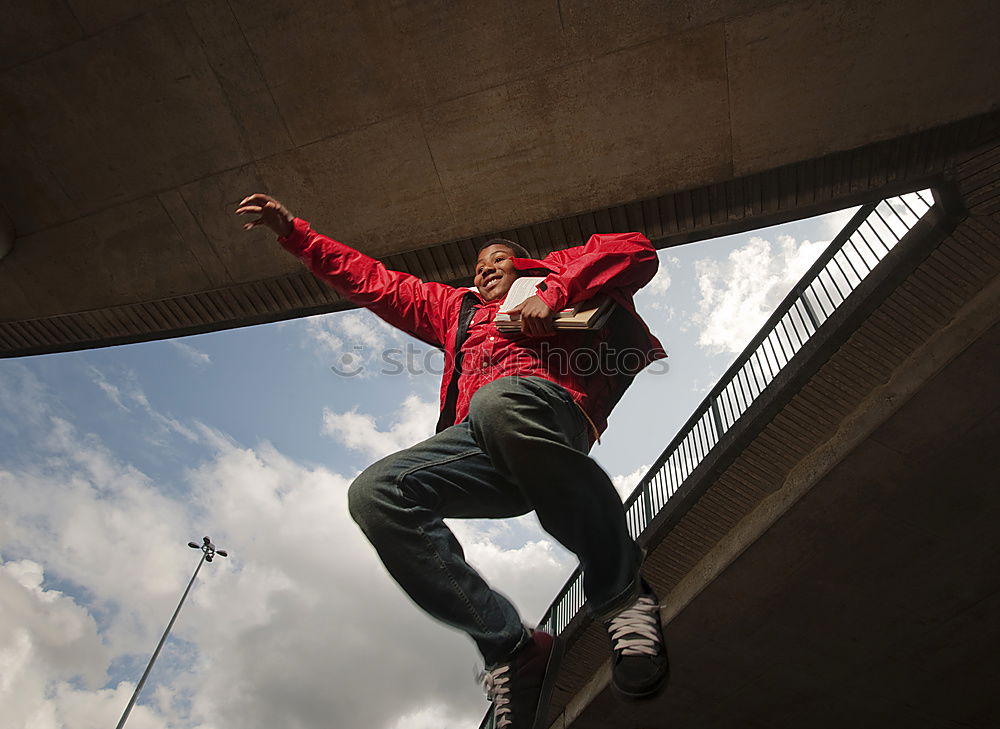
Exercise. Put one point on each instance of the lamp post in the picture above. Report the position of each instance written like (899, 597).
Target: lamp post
(208, 552)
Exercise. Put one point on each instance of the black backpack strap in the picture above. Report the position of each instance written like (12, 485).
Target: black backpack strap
(468, 308)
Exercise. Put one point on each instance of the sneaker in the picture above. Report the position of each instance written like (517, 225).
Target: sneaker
(518, 689)
(639, 665)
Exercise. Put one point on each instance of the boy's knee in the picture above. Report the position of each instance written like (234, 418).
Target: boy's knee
(357, 495)
(374, 498)
(364, 496)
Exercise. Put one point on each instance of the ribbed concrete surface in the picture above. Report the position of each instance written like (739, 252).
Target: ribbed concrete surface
(760, 199)
(957, 269)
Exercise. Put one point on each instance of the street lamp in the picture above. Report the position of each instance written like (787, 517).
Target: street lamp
(208, 552)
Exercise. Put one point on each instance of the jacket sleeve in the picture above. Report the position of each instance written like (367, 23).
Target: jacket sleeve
(403, 300)
(607, 261)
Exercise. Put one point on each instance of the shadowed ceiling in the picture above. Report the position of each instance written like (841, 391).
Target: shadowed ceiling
(414, 128)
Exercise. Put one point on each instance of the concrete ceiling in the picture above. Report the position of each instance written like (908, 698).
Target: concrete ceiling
(129, 130)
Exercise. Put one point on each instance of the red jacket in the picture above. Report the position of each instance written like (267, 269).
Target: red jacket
(459, 321)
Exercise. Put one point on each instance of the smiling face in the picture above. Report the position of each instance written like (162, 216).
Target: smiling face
(495, 271)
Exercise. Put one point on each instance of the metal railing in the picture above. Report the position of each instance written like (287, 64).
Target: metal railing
(854, 253)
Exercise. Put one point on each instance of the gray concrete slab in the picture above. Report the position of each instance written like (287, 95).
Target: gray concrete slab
(414, 123)
(193, 237)
(332, 68)
(14, 296)
(244, 255)
(117, 255)
(30, 192)
(374, 187)
(459, 49)
(604, 27)
(99, 15)
(29, 267)
(120, 115)
(827, 75)
(33, 29)
(502, 152)
(262, 129)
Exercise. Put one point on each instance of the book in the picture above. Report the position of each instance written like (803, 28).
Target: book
(523, 288)
(591, 314)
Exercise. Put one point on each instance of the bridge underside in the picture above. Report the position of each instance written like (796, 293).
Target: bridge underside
(415, 129)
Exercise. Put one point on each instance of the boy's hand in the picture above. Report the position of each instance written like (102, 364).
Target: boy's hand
(272, 213)
(536, 317)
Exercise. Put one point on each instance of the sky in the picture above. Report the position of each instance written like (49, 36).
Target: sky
(112, 459)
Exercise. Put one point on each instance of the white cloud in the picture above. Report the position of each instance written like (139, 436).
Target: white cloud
(301, 626)
(97, 523)
(530, 573)
(660, 283)
(414, 422)
(23, 397)
(53, 661)
(82, 709)
(129, 394)
(625, 483)
(322, 630)
(739, 294)
(437, 717)
(833, 223)
(113, 392)
(364, 328)
(669, 312)
(192, 355)
(652, 296)
(313, 626)
(349, 331)
(357, 344)
(321, 335)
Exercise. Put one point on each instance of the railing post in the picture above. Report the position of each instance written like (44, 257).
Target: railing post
(717, 417)
(809, 310)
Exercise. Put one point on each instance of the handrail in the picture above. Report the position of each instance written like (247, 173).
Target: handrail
(851, 256)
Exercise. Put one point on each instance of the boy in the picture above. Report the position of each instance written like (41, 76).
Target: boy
(519, 414)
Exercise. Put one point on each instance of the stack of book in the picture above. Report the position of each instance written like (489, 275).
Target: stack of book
(587, 315)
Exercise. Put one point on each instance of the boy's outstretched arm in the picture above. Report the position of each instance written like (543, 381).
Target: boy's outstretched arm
(404, 301)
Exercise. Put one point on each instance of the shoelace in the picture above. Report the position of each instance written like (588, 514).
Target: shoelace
(634, 631)
(497, 685)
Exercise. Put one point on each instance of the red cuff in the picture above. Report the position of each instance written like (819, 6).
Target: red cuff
(295, 241)
(551, 296)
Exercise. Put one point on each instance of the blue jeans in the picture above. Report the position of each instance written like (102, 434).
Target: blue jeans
(522, 448)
